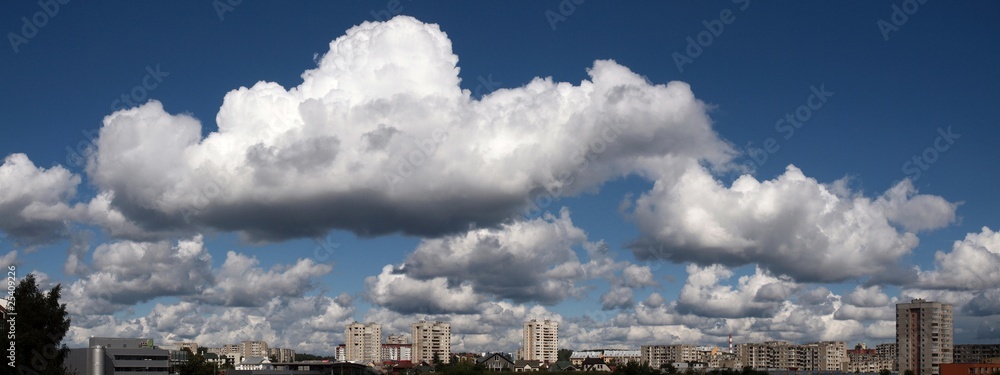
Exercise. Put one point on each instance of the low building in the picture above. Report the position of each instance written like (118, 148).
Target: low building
(119, 356)
(621, 357)
(496, 362)
(577, 358)
(595, 364)
(527, 365)
(968, 368)
(975, 353)
(255, 363)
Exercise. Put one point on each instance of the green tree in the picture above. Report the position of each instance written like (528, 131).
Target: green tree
(635, 368)
(40, 324)
(564, 354)
(195, 365)
(884, 372)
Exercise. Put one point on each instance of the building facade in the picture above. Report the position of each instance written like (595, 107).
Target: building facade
(249, 349)
(364, 342)
(283, 355)
(541, 341)
(431, 338)
(924, 336)
(976, 353)
(119, 356)
(782, 355)
(397, 352)
(397, 339)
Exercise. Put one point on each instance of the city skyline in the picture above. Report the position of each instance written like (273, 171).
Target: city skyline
(638, 174)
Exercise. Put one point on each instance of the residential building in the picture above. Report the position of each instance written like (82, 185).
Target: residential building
(255, 364)
(541, 341)
(577, 357)
(283, 355)
(924, 336)
(621, 357)
(397, 339)
(975, 353)
(364, 342)
(528, 365)
(969, 368)
(660, 355)
(119, 356)
(887, 357)
(430, 338)
(496, 362)
(863, 360)
(595, 364)
(249, 349)
(782, 355)
(397, 352)
(340, 354)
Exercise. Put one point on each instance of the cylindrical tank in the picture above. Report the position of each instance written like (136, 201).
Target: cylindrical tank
(97, 360)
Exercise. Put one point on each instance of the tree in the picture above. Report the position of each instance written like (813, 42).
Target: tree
(635, 368)
(195, 365)
(909, 372)
(40, 324)
(564, 354)
(884, 372)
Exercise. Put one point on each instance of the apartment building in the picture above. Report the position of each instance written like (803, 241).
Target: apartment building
(924, 336)
(397, 352)
(397, 339)
(431, 338)
(887, 357)
(976, 353)
(541, 341)
(660, 355)
(817, 356)
(248, 349)
(283, 355)
(364, 342)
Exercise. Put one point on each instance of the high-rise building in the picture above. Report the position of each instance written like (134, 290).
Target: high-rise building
(364, 342)
(431, 338)
(258, 349)
(396, 339)
(924, 336)
(541, 341)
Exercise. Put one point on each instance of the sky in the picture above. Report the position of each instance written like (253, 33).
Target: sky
(641, 172)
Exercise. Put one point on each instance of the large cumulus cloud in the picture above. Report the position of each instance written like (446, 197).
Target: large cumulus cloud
(792, 225)
(380, 138)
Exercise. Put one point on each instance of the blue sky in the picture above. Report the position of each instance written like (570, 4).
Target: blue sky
(666, 183)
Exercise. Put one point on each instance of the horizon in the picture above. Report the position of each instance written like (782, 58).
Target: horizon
(641, 173)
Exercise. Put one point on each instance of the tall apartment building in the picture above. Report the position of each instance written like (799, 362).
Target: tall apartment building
(397, 352)
(541, 341)
(976, 353)
(364, 342)
(249, 349)
(924, 336)
(887, 358)
(431, 338)
(283, 355)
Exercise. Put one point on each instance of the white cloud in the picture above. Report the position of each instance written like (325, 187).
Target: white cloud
(379, 138)
(395, 290)
(241, 282)
(757, 295)
(871, 296)
(28, 196)
(972, 264)
(791, 225)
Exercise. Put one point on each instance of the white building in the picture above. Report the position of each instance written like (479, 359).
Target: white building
(364, 342)
(541, 341)
(431, 338)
